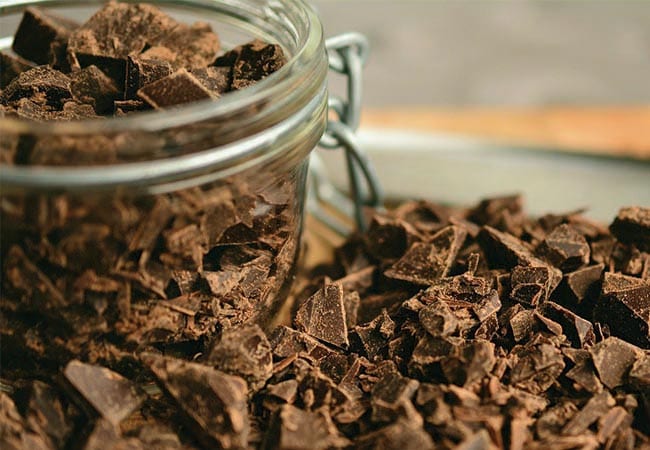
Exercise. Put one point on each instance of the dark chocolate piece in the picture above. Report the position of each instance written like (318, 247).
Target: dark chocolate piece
(245, 352)
(323, 316)
(252, 62)
(632, 226)
(213, 402)
(426, 262)
(141, 72)
(580, 285)
(109, 394)
(595, 408)
(10, 67)
(579, 331)
(503, 250)
(613, 359)
(90, 85)
(438, 319)
(175, 89)
(294, 429)
(565, 248)
(40, 33)
(624, 306)
(42, 84)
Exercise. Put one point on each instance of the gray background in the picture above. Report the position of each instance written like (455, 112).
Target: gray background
(439, 53)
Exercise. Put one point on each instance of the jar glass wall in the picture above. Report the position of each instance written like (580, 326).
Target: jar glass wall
(160, 229)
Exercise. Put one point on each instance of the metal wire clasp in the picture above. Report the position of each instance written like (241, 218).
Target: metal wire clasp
(347, 54)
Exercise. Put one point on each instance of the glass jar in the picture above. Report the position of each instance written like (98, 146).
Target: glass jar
(197, 227)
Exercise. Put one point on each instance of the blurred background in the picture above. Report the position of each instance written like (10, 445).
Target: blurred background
(547, 98)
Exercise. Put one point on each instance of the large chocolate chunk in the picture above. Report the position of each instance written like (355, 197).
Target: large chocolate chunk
(294, 429)
(176, 89)
(613, 359)
(141, 72)
(323, 316)
(438, 319)
(503, 250)
(565, 248)
(40, 34)
(426, 262)
(194, 46)
(10, 67)
(42, 85)
(245, 352)
(632, 226)
(252, 62)
(109, 394)
(215, 79)
(624, 305)
(580, 285)
(90, 85)
(213, 402)
(579, 331)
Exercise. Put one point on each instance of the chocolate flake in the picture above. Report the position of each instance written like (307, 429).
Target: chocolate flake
(565, 248)
(323, 316)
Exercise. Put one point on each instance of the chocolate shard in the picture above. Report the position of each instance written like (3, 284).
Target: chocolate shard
(438, 319)
(213, 402)
(10, 67)
(42, 84)
(109, 394)
(640, 373)
(632, 226)
(426, 262)
(141, 72)
(252, 62)
(390, 395)
(535, 367)
(403, 435)
(624, 306)
(372, 338)
(194, 46)
(388, 238)
(176, 89)
(579, 285)
(90, 85)
(579, 331)
(566, 248)
(323, 316)
(503, 250)
(504, 213)
(243, 351)
(215, 79)
(595, 408)
(613, 359)
(615, 420)
(287, 342)
(294, 429)
(105, 435)
(533, 284)
(40, 31)
(14, 433)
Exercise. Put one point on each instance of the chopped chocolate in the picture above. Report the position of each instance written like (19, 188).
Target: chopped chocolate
(323, 316)
(581, 284)
(141, 72)
(390, 395)
(243, 351)
(503, 250)
(109, 394)
(252, 62)
(175, 89)
(632, 226)
(624, 306)
(579, 331)
(124, 107)
(294, 429)
(372, 338)
(426, 262)
(91, 86)
(595, 408)
(565, 248)
(40, 33)
(10, 67)
(213, 402)
(438, 319)
(42, 85)
(613, 359)
(388, 239)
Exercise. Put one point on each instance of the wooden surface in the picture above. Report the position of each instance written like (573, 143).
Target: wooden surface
(623, 131)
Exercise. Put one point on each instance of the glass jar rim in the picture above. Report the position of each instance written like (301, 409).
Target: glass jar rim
(294, 96)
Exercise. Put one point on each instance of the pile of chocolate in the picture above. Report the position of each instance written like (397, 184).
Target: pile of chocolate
(126, 58)
(445, 328)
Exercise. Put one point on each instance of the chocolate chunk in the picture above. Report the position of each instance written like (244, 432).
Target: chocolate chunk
(109, 394)
(178, 88)
(504, 213)
(215, 79)
(245, 352)
(91, 86)
(579, 331)
(596, 407)
(141, 72)
(194, 46)
(640, 373)
(105, 435)
(533, 284)
(616, 419)
(632, 226)
(252, 62)
(535, 367)
(287, 342)
(390, 395)
(10, 67)
(213, 403)
(624, 306)
(388, 239)
(613, 359)
(580, 285)
(42, 85)
(504, 251)
(351, 303)
(323, 316)
(424, 263)
(39, 32)
(372, 338)
(565, 248)
(295, 429)
(438, 319)
(14, 433)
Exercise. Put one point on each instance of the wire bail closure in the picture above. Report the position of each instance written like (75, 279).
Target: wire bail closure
(347, 54)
